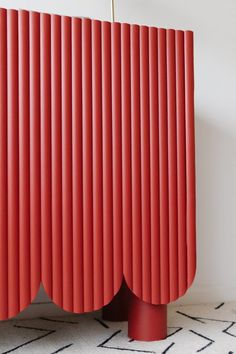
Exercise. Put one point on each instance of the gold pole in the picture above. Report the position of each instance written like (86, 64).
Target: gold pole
(113, 10)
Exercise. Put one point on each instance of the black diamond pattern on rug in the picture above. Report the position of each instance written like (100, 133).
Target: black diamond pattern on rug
(206, 329)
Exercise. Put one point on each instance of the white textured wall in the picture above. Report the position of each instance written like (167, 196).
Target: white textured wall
(213, 22)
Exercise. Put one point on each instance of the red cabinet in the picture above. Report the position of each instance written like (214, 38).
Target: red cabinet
(97, 165)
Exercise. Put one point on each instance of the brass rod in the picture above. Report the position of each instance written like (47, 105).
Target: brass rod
(113, 10)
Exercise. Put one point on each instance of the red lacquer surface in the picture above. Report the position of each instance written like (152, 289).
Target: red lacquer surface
(97, 165)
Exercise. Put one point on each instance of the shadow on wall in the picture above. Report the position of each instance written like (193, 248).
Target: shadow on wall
(216, 214)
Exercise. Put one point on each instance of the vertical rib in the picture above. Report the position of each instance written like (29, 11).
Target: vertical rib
(77, 188)
(67, 237)
(126, 152)
(154, 166)
(172, 164)
(107, 163)
(3, 168)
(181, 165)
(56, 159)
(97, 164)
(45, 108)
(145, 164)
(116, 153)
(136, 162)
(163, 167)
(190, 157)
(35, 226)
(87, 165)
(13, 167)
(24, 180)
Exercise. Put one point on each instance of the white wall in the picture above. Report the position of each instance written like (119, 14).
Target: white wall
(214, 24)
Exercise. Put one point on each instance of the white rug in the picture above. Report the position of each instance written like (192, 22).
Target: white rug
(205, 329)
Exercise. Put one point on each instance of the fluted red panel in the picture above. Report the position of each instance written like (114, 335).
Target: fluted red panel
(85, 270)
(20, 181)
(97, 171)
(163, 167)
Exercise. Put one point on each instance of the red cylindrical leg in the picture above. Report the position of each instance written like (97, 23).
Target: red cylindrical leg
(147, 322)
(117, 309)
